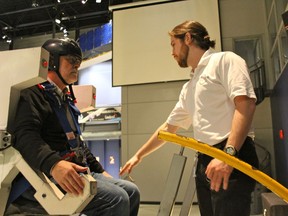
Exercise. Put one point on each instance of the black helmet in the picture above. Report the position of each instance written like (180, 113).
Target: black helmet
(61, 47)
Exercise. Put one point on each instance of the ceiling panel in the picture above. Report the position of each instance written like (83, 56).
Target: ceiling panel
(35, 17)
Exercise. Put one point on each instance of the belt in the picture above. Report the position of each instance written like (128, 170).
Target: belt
(220, 145)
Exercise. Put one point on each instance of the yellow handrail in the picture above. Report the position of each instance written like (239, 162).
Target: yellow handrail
(244, 167)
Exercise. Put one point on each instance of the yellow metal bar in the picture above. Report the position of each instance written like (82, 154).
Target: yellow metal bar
(244, 167)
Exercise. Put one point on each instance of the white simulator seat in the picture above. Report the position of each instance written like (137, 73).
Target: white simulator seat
(20, 69)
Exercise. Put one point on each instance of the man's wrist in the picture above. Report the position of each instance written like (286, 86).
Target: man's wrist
(53, 167)
(231, 150)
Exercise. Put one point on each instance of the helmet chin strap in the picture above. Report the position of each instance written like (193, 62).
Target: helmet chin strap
(61, 78)
(72, 93)
(69, 85)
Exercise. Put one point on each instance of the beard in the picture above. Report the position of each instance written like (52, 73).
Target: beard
(182, 61)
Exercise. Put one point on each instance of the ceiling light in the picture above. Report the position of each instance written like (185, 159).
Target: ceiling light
(57, 20)
(98, 1)
(84, 1)
(34, 3)
(59, 1)
(4, 36)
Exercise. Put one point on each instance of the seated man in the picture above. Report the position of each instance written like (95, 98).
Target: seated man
(47, 134)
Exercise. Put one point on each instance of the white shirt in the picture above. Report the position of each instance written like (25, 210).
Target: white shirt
(207, 100)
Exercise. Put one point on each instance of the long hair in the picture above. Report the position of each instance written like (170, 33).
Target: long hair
(198, 33)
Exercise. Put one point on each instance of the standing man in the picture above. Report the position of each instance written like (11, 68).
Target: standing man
(48, 136)
(219, 102)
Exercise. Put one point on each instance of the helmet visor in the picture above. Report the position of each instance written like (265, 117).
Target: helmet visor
(73, 60)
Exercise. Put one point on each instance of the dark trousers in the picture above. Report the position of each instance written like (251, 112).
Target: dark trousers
(236, 200)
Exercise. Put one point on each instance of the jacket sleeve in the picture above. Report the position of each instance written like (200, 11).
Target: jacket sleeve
(32, 112)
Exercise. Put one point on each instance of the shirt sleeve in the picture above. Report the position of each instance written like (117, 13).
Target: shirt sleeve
(235, 76)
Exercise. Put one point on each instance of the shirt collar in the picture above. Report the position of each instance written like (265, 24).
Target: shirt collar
(206, 57)
(57, 89)
(203, 61)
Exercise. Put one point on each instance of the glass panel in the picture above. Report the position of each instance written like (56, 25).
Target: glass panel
(285, 2)
(268, 4)
(276, 63)
(280, 9)
(284, 47)
(272, 29)
(249, 49)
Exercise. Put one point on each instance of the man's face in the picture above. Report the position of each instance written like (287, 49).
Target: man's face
(69, 66)
(179, 51)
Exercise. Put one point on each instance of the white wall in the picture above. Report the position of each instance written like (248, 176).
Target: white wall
(144, 108)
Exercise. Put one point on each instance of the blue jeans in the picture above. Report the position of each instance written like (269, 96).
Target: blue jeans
(236, 200)
(114, 197)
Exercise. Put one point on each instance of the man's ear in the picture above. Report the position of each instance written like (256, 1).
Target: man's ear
(188, 39)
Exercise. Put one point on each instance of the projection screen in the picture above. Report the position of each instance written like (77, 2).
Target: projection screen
(141, 51)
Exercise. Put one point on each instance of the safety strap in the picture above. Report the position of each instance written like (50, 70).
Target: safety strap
(21, 185)
(59, 107)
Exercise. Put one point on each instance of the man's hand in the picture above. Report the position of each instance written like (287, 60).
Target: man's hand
(106, 174)
(218, 172)
(66, 175)
(127, 168)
